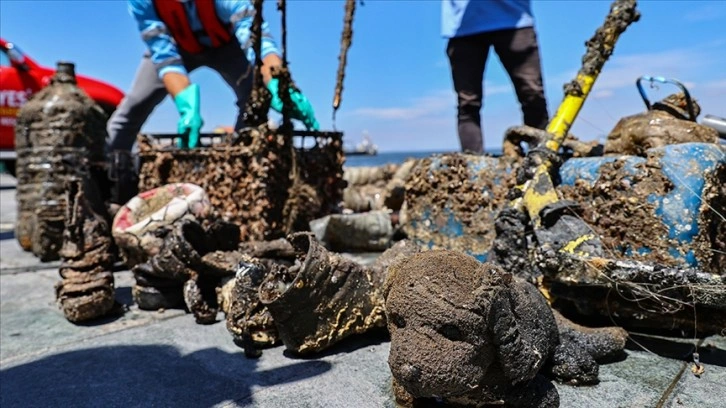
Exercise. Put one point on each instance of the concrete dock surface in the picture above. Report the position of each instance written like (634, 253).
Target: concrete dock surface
(163, 358)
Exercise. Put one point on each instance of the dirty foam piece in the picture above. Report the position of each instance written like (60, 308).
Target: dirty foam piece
(455, 335)
(469, 333)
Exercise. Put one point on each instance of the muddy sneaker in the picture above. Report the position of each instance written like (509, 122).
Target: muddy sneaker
(248, 320)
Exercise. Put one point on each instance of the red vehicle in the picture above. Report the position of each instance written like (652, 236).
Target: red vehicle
(21, 77)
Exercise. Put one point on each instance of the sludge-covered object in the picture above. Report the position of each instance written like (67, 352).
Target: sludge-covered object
(137, 224)
(455, 335)
(87, 290)
(370, 231)
(470, 334)
(666, 123)
(43, 172)
(660, 219)
(364, 198)
(248, 178)
(57, 122)
(452, 201)
(639, 295)
(385, 188)
(247, 319)
(368, 175)
(325, 297)
(187, 266)
(666, 207)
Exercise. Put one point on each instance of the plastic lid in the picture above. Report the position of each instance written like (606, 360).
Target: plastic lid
(65, 72)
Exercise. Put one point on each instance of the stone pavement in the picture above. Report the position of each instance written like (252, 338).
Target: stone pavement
(165, 359)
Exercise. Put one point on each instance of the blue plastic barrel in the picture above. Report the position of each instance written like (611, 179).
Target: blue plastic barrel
(686, 166)
(439, 225)
(442, 224)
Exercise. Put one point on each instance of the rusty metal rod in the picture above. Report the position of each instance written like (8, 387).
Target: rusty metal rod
(345, 42)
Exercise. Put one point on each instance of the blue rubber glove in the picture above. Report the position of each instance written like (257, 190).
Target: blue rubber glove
(190, 124)
(301, 107)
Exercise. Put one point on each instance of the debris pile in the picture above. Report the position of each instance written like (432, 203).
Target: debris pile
(173, 257)
(366, 187)
(372, 202)
(58, 129)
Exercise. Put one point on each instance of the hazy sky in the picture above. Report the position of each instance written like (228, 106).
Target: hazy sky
(398, 85)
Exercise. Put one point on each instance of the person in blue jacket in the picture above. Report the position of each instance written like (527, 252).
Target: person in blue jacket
(182, 35)
(472, 28)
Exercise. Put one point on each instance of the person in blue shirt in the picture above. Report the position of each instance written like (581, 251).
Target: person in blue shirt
(182, 35)
(472, 28)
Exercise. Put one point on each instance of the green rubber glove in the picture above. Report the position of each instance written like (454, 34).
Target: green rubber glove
(301, 107)
(190, 124)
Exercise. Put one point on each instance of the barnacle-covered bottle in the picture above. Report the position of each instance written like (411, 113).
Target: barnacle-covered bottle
(57, 130)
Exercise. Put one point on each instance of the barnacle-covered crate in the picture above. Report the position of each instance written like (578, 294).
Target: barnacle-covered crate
(248, 175)
(320, 160)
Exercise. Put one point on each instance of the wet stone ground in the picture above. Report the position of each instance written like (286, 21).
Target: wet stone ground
(166, 359)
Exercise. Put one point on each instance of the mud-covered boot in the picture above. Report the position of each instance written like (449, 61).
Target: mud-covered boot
(159, 281)
(323, 298)
(200, 296)
(152, 292)
(87, 289)
(248, 320)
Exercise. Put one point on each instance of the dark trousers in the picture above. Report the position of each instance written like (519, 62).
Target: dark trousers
(519, 53)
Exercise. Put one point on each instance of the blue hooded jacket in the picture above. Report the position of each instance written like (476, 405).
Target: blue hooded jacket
(164, 52)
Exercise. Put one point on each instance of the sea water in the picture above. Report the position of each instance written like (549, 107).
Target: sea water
(383, 158)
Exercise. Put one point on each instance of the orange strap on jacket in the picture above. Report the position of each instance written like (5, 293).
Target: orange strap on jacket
(174, 16)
